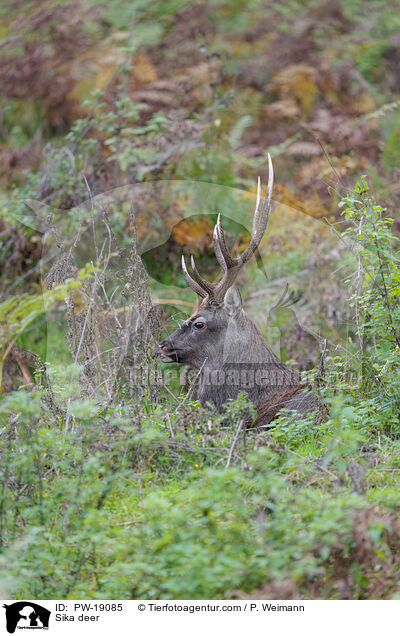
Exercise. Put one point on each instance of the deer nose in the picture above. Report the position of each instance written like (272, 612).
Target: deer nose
(165, 346)
(167, 351)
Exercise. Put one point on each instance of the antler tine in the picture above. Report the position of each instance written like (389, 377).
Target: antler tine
(192, 283)
(256, 213)
(222, 244)
(217, 250)
(204, 284)
(215, 292)
(260, 222)
(270, 182)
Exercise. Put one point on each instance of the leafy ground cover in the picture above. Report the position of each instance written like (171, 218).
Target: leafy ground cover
(114, 494)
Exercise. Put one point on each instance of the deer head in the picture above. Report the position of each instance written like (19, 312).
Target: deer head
(219, 336)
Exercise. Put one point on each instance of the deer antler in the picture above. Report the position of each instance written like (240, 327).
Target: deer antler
(215, 292)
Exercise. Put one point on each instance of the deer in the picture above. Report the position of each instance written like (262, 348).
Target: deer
(222, 342)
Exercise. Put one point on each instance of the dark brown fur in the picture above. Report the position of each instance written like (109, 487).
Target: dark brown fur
(232, 356)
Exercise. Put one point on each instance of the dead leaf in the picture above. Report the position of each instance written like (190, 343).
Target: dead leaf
(304, 148)
(154, 97)
(282, 108)
(144, 70)
(298, 81)
(195, 232)
(313, 206)
(322, 121)
(361, 104)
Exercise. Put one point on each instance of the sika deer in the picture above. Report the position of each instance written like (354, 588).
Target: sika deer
(222, 341)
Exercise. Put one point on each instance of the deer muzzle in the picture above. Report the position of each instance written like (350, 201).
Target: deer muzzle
(167, 352)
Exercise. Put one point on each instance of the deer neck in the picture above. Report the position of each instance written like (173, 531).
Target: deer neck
(246, 363)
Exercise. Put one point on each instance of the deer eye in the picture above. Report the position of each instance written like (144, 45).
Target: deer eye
(199, 324)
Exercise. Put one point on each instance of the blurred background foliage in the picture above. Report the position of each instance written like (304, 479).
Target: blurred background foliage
(124, 92)
(182, 100)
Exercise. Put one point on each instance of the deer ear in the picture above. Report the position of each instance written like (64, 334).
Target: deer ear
(233, 302)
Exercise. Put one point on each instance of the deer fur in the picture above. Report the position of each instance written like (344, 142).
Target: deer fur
(232, 356)
(225, 345)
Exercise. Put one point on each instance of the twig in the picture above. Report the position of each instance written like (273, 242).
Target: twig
(92, 218)
(313, 134)
(310, 461)
(170, 425)
(233, 445)
(191, 387)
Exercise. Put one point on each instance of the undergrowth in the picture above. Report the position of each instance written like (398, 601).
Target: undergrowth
(116, 489)
(134, 499)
